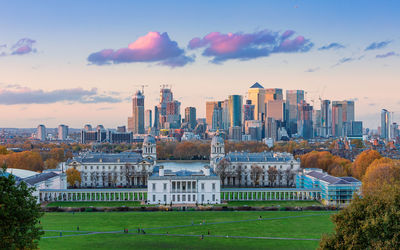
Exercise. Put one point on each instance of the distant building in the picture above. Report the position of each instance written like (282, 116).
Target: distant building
(120, 137)
(305, 122)
(62, 132)
(235, 110)
(385, 124)
(356, 130)
(121, 129)
(148, 120)
(254, 129)
(273, 94)
(256, 94)
(190, 117)
(235, 133)
(293, 99)
(93, 136)
(248, 111)
(41, 133)
(335, 190)
(326, 118)
(136, 121)
(183, 187)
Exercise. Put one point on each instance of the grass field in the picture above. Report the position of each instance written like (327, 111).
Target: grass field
(272, 203)
(182, 230)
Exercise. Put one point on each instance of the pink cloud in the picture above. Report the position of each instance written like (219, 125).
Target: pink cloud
(246, 46)
(153, 47)
(22, 47)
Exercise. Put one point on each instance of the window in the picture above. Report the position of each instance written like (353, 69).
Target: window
(213, 186)
(165, 186)
(154, 186)
(154, 197)
(91, 167)
(97, 168)
(173, 198)
(194, 185)
(103, 167)
(202, 198)
(85, 167)
(173, 185)
(202, 186)
(213, 197)
(179, 197)
(189, 185)
(189, 196)
(165, 198)
(194, 197)
(183, 197)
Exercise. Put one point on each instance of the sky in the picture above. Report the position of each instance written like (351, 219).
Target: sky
(79, 62)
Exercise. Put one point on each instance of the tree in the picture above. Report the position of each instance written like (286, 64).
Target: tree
(255, 174)
(362, 162)
(19, 214)
(371, 222)
(272, 174)
(73, 176)
(221, 170)
(50, 163)
(239, 173)
(383, 171)
(3, 150)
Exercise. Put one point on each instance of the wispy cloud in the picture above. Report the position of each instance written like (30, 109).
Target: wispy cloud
(377, 45)
(22, 47)
(347, 60)
(24, 95)
(247, 46)
(389, 54)
(153, 47)
(332, 46)
(310, 70)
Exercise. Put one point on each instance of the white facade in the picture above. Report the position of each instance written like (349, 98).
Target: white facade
(183, 187)
(49, 180)
(128, 169)
(276, 169)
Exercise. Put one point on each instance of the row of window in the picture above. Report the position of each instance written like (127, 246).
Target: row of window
(113, 167)
(183, 198)
(182, 186)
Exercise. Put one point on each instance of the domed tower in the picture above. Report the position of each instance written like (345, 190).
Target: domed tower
(149, 148)
(217, 149)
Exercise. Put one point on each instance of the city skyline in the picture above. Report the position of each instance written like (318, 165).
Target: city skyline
(356, 60)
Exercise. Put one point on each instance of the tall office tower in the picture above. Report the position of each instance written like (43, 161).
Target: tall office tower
(356, 129)
(235, 133)
(305, 122)
(273, 94)
(225, 115)
(173, 115)
(293, 99)
(317, 123)
(209, 112)
(88, 127)
(326, 118)
(394, 131)
(217, 118)
(275, 109)
(148, 119)
(254, 129)
(41, 133)
(385, 124)
(168, 109)
(101, 133)
(256, 94)
(248, 111)
(337, 118)
(271, 128)
(136, 121)
(156, 124)
(62, 132)
(235, 110)
(190, 116)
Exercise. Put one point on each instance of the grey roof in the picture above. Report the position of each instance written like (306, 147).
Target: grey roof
(149, 139)
(332, 179)
(181, 174)
(39, 178)
(258, 157)
(125, 157)
(256, 86)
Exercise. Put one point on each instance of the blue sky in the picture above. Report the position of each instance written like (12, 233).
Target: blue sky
(66, 33)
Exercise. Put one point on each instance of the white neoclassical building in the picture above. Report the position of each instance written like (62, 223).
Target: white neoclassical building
(265, 169)
(127, 169)
(183, 187)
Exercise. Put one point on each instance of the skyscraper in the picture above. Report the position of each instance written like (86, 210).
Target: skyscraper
(62, 132)
(190, 116)
(41, 133)
(148, 119)
(385, 124)
(210, 105)
(256, 94)
(235, 110)
(217, 118)
(293, 99)
(326, 118)
(169, 110)
(337, 118)
(248, 111)
(136, 121)
(305, 122)
(275, 109)
(273, 94)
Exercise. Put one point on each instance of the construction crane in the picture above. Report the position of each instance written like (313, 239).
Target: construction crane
(142, 86)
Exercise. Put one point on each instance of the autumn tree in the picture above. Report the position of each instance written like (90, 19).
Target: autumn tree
(222, 170)
(50, 163)
(239, 171)
(272, 175)
(383, 171)
(73, 177)
(3, 150)
(19, 214)
(362, 162)
(255, 174)
(371, 222)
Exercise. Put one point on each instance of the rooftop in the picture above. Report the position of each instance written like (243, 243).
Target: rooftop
(125, 157)
(256, 86)
(39, 178)
(258, 157)
(332, 179)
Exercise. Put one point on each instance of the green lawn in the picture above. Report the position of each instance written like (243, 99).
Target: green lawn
(94, 204)
(272, 203)
(303, 225)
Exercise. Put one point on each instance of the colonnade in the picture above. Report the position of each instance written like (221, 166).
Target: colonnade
(263, 194)
(93, 195)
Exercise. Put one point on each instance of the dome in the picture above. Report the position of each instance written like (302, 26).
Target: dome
(217, 139)
(149, 140)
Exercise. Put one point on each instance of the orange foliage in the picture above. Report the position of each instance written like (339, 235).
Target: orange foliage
(324, 160)
(381, 172)
(362, 162)
(23, 160)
